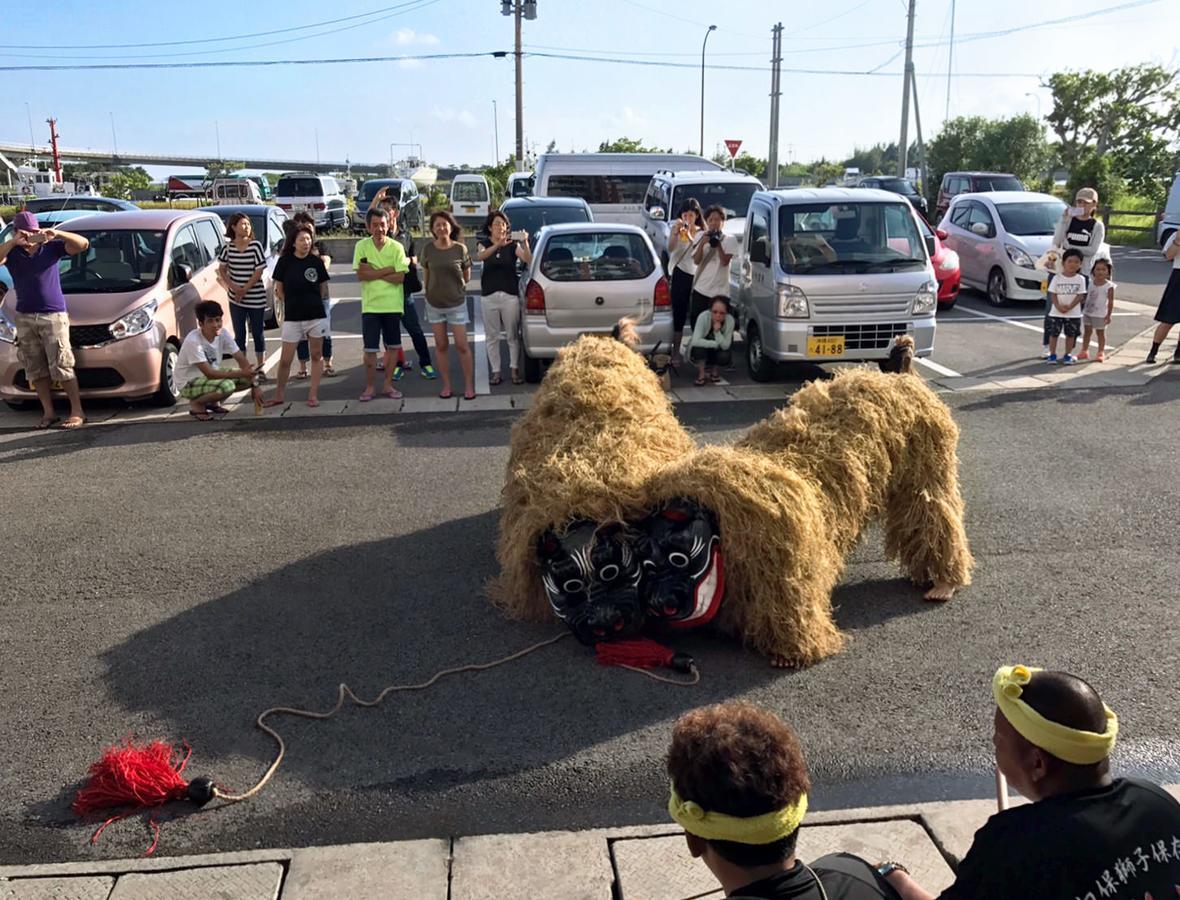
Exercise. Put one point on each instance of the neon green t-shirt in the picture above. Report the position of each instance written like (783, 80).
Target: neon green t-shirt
(381, 296)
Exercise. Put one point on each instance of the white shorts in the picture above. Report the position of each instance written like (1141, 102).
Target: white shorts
(294, 332)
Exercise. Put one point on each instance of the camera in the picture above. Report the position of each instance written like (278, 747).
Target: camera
(714, 238)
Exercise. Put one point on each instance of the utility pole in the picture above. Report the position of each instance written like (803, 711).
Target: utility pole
(907, 77)
(918, 126)
(114, 137)
(775, 92)
(496, 125)
(712, 28)
(53, 144)
(519, 9)
(950, 58)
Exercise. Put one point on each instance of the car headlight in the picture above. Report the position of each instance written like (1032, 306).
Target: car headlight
(135, 322)
(7, 330)
(1019, 257)
(792, 303)
(950, 261)
(926, 300)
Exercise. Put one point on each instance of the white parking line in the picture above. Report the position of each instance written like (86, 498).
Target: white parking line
(958, 320)
(936, 367)
(479, 355)
(1006, 319)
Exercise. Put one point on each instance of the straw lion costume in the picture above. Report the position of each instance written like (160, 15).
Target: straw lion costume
(602, 480)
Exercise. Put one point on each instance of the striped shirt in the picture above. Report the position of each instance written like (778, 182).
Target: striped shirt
(241, 265)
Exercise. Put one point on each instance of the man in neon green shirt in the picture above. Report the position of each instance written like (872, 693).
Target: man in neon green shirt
(380, 265)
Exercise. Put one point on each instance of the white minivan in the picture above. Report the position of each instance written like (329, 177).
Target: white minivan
(470, 199)
(614, 184)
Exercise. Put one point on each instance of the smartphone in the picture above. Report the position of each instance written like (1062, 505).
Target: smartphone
(519, 235)
(1075, 211)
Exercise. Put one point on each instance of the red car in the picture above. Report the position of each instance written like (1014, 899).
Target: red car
(946, 266)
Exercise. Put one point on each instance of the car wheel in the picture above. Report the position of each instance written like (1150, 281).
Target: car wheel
(168, 392)
(1166, 236)
(21, 405)
(997, 290)
(279, 316)
(947, 305)
(532, 369)
(761, 367)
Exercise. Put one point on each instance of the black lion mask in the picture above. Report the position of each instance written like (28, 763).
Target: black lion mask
(591, 576)
(684, 578)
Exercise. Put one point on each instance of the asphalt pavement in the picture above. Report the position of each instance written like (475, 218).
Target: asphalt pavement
(173, 579)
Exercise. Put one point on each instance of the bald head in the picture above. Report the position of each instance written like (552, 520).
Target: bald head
(1066, 700)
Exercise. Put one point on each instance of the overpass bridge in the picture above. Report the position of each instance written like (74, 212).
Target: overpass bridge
(21, 151)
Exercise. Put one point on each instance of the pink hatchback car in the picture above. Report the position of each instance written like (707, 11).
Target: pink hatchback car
(130, 298)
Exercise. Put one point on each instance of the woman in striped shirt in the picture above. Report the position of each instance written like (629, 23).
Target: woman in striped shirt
(242, 263)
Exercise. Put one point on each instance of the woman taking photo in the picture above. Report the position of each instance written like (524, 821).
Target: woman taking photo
(498, 285)
(243, 262)
(446, 268)
(681, 236)
(301, 283)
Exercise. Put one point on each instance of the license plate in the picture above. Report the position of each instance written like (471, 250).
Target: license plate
(825, 346)
(1044, 286)
(468, 209)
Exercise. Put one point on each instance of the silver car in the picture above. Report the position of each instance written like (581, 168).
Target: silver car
(584, 277)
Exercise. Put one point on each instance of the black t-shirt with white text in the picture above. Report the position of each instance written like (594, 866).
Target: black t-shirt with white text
(1120, 841)
(301, 280)
(1079, 233)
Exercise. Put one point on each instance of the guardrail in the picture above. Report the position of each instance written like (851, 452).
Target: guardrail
(1105, 213)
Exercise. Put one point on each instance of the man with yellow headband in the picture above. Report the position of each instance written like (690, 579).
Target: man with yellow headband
(1085, 835)
(739, 790)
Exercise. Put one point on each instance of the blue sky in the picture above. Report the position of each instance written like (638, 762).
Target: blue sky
(356, 110)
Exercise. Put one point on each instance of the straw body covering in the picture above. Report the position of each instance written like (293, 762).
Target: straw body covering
(1070, 744)
(715, 826)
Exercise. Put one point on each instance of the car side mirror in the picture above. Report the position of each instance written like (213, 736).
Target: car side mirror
(931, 247)
(941, 232)
(656, 213)
(180, 274)
(980, 228)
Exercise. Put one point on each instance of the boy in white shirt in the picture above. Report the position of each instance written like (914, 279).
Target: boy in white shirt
(1098, 308)
(204, 384)
(1066, 294)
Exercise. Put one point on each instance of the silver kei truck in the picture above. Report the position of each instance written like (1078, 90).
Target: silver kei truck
(831, 275)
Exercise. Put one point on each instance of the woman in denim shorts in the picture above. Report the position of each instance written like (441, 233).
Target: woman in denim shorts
(446, 269)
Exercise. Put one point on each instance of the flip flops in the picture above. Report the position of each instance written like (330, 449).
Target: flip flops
(48, 422)
(71, 423)
(201, 416)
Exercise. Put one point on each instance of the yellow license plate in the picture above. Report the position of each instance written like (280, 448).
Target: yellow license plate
(1044, 286)
(468, 209)
(825, 346)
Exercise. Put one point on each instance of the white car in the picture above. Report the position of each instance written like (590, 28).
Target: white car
(470, 200)
(316, 194)
(999, 235)
(669, 191)
(584, 277)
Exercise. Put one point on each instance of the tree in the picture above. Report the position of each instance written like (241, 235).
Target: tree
(1015, 145)
(1132, 114)
(497, 177)
(126, 180)
(220, 168)
(551, 147)
(628, 145)
(272, 178)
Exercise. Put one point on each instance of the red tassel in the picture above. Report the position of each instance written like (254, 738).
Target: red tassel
(642, 653)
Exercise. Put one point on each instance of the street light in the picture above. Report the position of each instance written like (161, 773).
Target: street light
(1036, 97)
(712, 28)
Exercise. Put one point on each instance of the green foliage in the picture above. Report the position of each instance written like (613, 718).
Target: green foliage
(127, 180)
(1015, 145)
(822, 172)
(1097, 171)
(628, 145)
(220, 168)
(272, 178)
(436, 200)
(755, 165)
(497, 177)
(1130, 114)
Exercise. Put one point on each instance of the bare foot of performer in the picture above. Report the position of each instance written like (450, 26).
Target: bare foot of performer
(942, 590)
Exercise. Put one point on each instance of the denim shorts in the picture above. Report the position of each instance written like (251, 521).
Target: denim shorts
(451, 315)
(375, 326)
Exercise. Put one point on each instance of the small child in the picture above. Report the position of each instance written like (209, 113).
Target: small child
(1066, 294)
(1097, 309)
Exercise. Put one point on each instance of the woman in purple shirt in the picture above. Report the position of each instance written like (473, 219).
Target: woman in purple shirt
(42, 322)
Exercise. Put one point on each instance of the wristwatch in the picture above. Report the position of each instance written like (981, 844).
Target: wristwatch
(889, 866)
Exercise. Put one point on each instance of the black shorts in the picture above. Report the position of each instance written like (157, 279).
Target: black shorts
(1058, 324)
(375, 326)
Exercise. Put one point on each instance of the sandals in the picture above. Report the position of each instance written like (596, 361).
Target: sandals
(313, 403)
(329, 372)
(71, 423)
(216, 409)
(47, 422)
(445, 395)
(469, 395)
(495, 379)
(201, 416)
(392, 394)
(700, 382)
(516, 379)
(366, 397)
(301, 374)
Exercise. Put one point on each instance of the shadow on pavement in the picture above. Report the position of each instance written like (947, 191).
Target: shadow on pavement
(1160, 390)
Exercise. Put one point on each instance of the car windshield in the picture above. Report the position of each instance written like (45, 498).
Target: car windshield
(597, 256)
(533, 218)
(896, 185)
(600, 189)
(1030, 218)
(733, 198)
(469, 192)
(299, 187)
(370, 188)
(521, 187)
(116, 261)
(998, 183)
(842, 238)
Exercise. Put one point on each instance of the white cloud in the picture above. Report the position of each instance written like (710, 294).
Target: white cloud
(408, 37)
(447, 114)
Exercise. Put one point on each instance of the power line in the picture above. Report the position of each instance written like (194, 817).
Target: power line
(234, 37)
(252, 62)
(832, 19)
(1064, 20)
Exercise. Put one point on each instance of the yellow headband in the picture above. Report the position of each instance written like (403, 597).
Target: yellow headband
(1070, 744)
(715, 826)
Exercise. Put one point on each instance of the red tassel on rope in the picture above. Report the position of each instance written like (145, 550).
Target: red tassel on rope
(138, 777)
(642, 653)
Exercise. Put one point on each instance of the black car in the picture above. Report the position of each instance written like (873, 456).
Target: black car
(531, 214)
(896, 185)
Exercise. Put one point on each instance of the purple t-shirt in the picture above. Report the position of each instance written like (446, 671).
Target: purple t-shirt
(35, 278)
